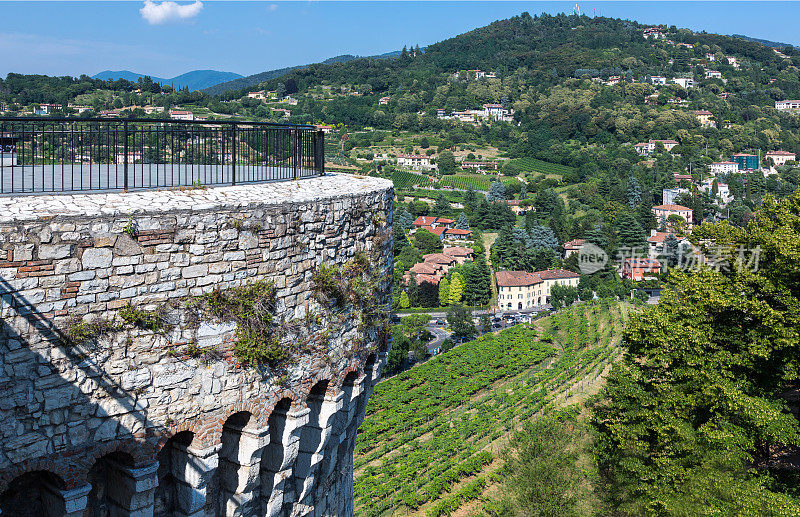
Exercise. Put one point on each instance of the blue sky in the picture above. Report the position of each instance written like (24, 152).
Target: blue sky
(72, 38)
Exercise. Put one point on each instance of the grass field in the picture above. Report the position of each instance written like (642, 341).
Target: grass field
(431, 440)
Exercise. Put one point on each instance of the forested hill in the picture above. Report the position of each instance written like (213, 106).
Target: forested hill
(545, 48)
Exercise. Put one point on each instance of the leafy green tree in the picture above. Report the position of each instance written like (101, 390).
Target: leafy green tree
(447, 344)
(444, 292)
(442, 205)
(459, 319)
(667, 445)
(446, 163)
(427, 242)
(462, 223)
(456, 290)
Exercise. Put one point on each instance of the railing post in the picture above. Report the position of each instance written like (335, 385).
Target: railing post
(319, 155)
(233, 154)
(296, 150)
(125, 153)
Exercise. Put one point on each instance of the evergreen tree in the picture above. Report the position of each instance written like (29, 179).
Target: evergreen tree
(543, 237)
(634, 193)
(444, 292)
(478, 283)
(462, 223)
(629, 233)
(671, 250)
(404, 301)
(470, 200)
(497, 192)
(442, 205)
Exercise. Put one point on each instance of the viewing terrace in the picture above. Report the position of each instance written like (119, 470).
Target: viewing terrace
(60, 155)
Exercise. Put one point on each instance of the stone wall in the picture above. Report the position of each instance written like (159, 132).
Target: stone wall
(135, 422)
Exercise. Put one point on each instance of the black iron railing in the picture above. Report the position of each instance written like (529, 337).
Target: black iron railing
(71, 155)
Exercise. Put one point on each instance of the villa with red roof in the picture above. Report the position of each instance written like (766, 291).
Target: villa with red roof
(649, 147)
(524, 290)
(638, 268)
(662, 213)
(423, 221)
(573, 246)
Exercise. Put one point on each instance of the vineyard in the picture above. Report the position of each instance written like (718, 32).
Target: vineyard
(430, 441)
(405, 179)
(469, 181)
(541, 167)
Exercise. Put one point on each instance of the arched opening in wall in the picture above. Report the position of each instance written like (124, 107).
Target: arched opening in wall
(238, 471)
(370, 365)
(33, 494)
(348, 432)
(106, 478)
(308, 458)
(172, 466)
(273, 459)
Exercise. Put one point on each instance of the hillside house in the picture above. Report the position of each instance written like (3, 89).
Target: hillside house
(653, 33)
(780, 158)
(461, 254)
(723, 192)
(705, 118)
(787, 105)
(685, 82)
(181, 115)
(433, 222)
(640, 268)
(713, 74)
(518, 290)
(658, 80)
(385, 100)
(733, 61)
(259, 95)
(723, 168)
(415, 161)
(669, 195)
(573, 246)
(132, 157)
(681, 177)
(323, 128)
(649, 147)
(517, 207)
(662, 213)
(478, 166)
(746, 162)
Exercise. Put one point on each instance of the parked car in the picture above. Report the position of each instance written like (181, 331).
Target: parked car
(440, 322)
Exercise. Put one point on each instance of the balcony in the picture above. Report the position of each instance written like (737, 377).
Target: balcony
(49, 155)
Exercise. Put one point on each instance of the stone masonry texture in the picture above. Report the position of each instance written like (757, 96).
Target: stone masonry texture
(132, 422)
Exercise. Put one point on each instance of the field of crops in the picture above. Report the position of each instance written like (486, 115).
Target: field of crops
(442, 422)
(469, 181)
(405, 179)
(546, 168)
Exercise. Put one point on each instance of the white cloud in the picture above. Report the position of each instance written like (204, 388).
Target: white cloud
(168, 11)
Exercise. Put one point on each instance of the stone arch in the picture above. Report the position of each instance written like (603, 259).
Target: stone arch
(313, 438)
(33, 494)
(238, 480)
(174, 491)
(119, 487)
(277, 459)
(346, 432)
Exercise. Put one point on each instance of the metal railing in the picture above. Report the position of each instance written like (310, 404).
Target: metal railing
(67, 155)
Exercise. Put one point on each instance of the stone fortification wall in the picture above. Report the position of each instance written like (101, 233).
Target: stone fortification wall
(122, 389)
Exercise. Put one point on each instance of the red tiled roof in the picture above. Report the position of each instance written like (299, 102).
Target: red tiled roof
(457, 231)
(414, 156)
(444, 221)
(425, 268)
(424, 221)
(436, 231)
(643, 263)
(438, 258)
(672, 208)
(458, 251)
(724, 163)
(702, 112)
(779, 153)
(427, 278)
(516, 278)
(574, 244)
(556, 274)
(658, 237)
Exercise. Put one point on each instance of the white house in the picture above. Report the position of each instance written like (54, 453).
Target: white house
(415, 161)
(523, 290)
(181, 115)
(713, 74)
(685, 82)
(653, 33)
(646, 148)
(723, 168)
(787, 105)
(259, 95)
(669, 195)
(658, 80)
(723, 192)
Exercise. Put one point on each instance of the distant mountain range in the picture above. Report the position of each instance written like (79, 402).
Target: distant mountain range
(194, 80)
(252, 80)
(774, 44)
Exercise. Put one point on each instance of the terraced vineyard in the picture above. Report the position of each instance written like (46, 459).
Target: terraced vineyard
(405, 179)
(430, 441)
(469, 181)
(542, 167)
